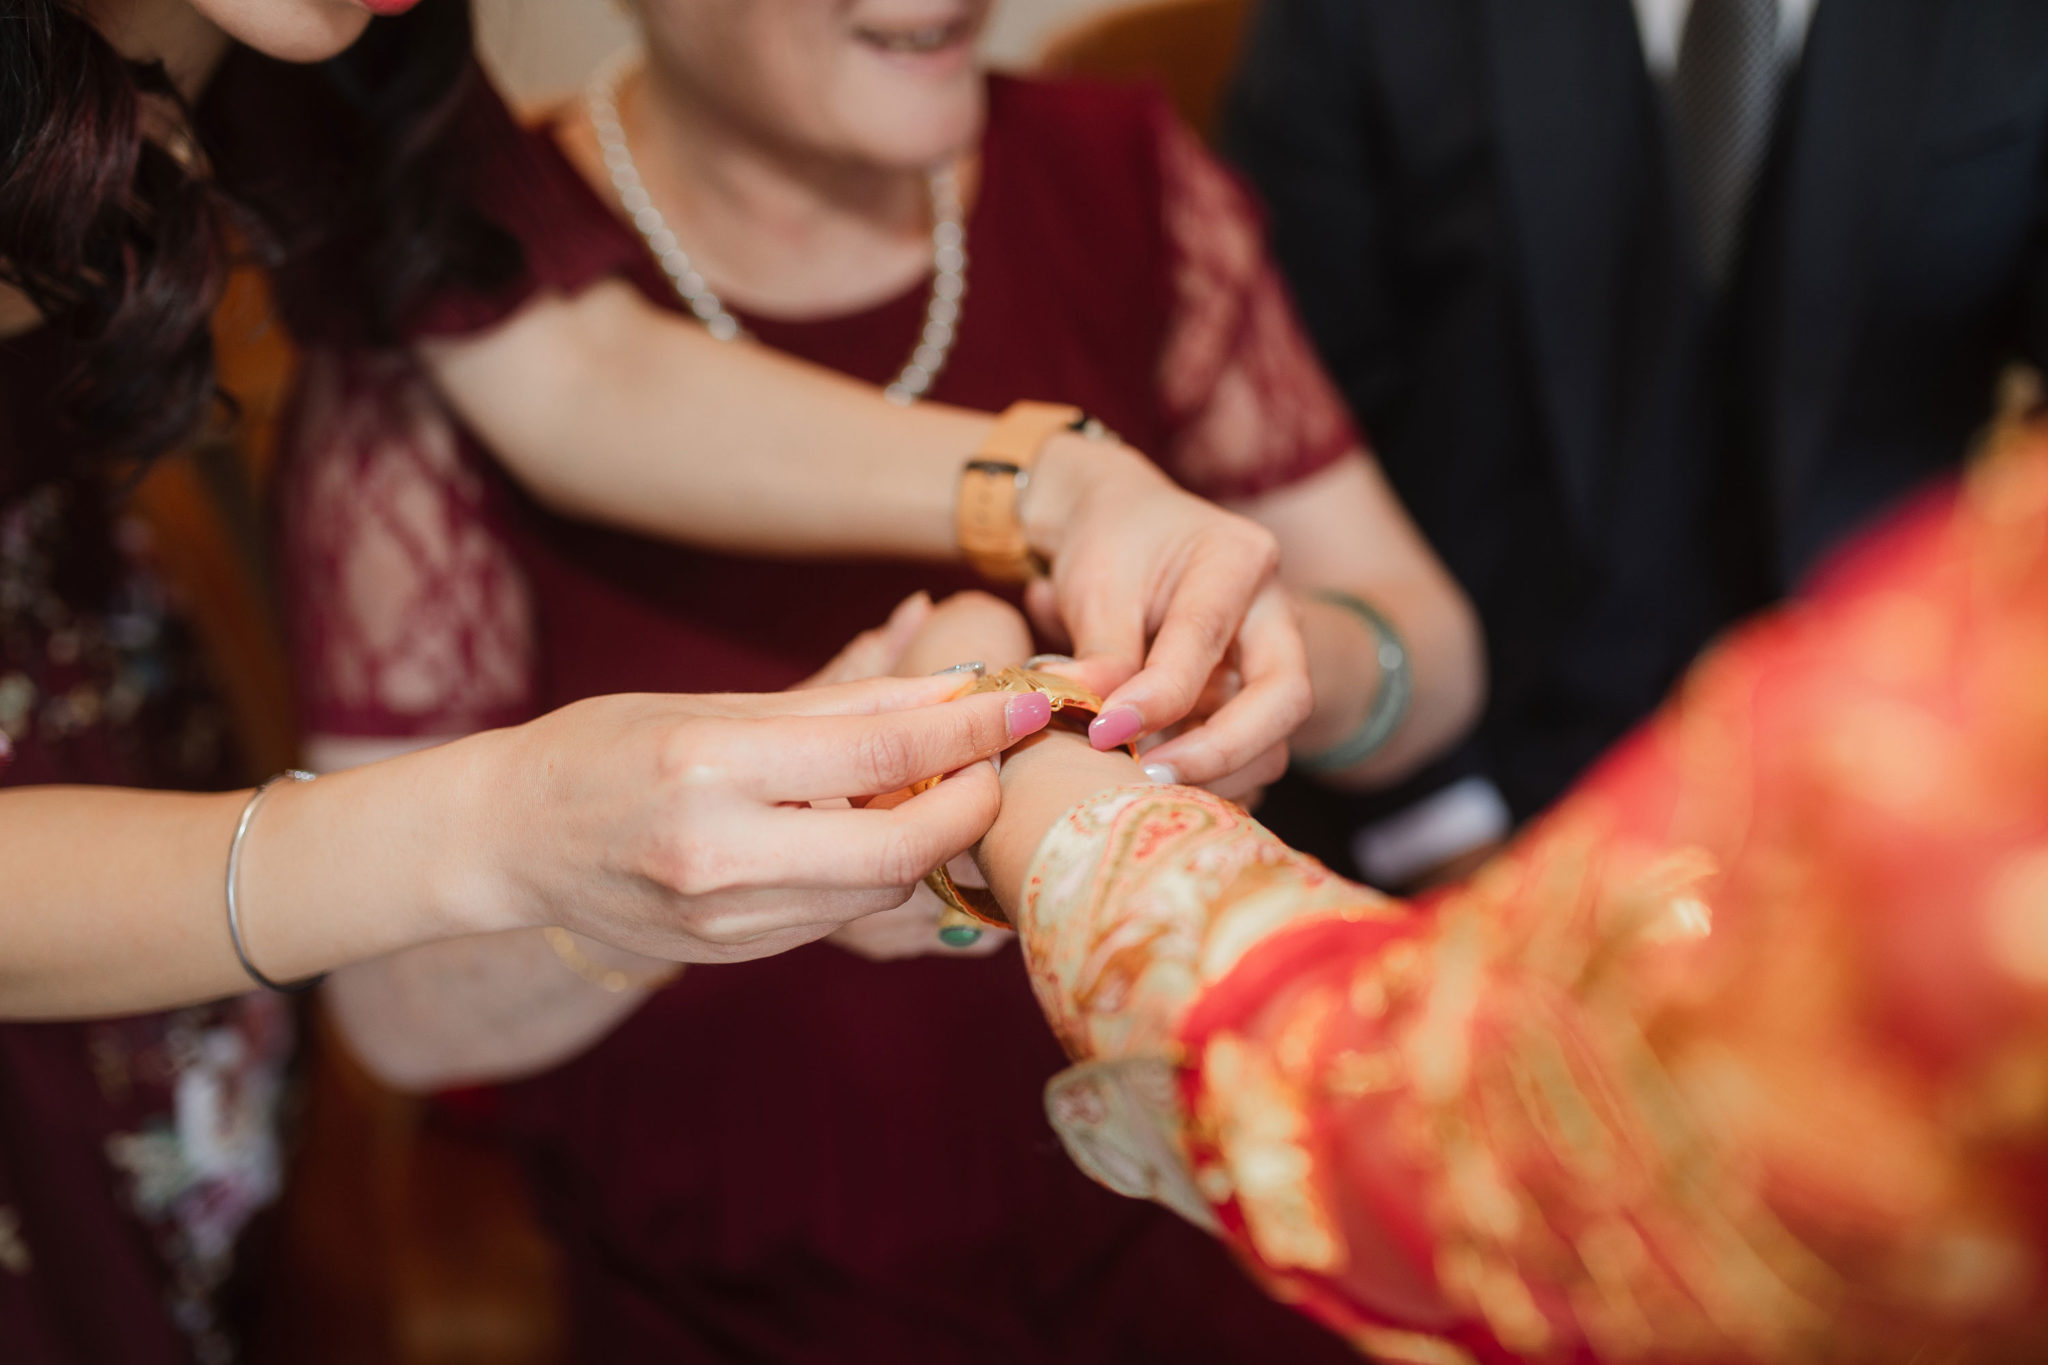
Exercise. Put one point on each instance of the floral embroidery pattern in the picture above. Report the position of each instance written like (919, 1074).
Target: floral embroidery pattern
(74, 664)
(98, 683)
(200, 1168)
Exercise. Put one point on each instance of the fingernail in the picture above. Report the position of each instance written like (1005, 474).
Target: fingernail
(1163, 773)
(1027, 713)
(1039, 661)
(1118, 725)
(959, 936)
(974, 666)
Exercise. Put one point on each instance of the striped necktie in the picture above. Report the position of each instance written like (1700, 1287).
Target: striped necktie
(1725, 92)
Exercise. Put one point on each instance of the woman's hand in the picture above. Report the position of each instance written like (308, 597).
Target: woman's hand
(582, 399)
(681, 827)
(1129, 549)
(968, 627)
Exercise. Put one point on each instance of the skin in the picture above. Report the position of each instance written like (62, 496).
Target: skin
(680, 827)
(789, 152)
(788, 147)
(793, 151)
(470, 1010)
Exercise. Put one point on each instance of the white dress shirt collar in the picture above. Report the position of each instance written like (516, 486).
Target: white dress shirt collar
(1662, 23)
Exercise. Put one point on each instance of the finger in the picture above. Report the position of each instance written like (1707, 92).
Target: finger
(1100, 676)
(1205, 614)
(1042, 606)
(774, 920)
(878, 848)
(1106, 622)
(1275, 700)
(867, 697)
(873, 653)
(803, 759)
(1246, 782)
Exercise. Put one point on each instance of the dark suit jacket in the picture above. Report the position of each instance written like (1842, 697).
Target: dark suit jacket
(1475, 203)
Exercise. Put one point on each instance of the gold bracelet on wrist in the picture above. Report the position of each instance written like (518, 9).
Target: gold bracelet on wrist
(613, 980)
(1073, 706)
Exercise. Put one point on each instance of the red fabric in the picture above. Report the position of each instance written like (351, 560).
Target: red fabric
(815, 1157)
(113, 1245)
(1162, 316)
(1738, 1054)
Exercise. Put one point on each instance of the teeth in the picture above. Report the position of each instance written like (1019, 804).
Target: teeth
(911, 40)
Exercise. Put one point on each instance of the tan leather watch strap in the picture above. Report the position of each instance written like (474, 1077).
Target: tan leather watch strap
(988, 523)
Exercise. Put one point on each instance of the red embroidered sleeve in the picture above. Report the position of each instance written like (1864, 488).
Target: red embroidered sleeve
(1740, 1056)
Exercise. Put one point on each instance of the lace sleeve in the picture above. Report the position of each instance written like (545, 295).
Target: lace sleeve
(1249, 406)
(410, 616)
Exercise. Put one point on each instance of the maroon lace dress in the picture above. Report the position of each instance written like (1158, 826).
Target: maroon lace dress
(816, 1157)
(133, 1152)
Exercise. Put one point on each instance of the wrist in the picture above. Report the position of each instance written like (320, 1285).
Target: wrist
(1074, 470)
(1043, 778)
(475, 879)
(1343, 670)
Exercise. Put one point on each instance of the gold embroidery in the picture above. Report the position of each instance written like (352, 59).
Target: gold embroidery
(1393, 1347)
(2016, 917)
(1354, 1075)
(1262, 1132)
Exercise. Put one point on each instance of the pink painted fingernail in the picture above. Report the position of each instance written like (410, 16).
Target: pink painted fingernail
(1118, 725)
(1027, 713)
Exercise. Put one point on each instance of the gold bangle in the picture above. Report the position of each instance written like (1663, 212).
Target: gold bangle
(614, 980)
(1073, 706)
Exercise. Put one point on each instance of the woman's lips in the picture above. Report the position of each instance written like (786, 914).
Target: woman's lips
(921, 41)
(387, 8)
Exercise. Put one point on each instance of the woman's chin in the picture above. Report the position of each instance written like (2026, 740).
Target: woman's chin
(290, 30)
(918, 133)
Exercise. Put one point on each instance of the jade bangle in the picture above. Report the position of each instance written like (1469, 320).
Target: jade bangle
(1389, 703)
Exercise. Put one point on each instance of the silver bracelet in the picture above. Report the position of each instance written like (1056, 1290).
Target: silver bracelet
(234, 875)
(1389, 703)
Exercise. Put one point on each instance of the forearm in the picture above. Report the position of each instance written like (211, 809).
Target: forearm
(1345, 531)
(1447, 683)
(482, 1008)
(608, 409)
(486, 1008)
(114, 900)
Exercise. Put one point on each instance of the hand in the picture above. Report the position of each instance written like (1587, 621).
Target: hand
(681, 827)
(912, 928)
(966, 627)
(1129, 549)
(1246, 785)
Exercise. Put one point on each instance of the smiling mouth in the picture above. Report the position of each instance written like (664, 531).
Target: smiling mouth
(917, 41)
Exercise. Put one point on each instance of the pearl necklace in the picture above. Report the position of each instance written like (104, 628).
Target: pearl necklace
(949, 242)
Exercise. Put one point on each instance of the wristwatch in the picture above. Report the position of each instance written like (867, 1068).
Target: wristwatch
(1073, 706)
(988, 520)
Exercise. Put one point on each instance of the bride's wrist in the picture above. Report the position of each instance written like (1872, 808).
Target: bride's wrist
(1043, 778)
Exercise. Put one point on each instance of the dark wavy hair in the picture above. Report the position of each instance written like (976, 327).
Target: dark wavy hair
(121, 209)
